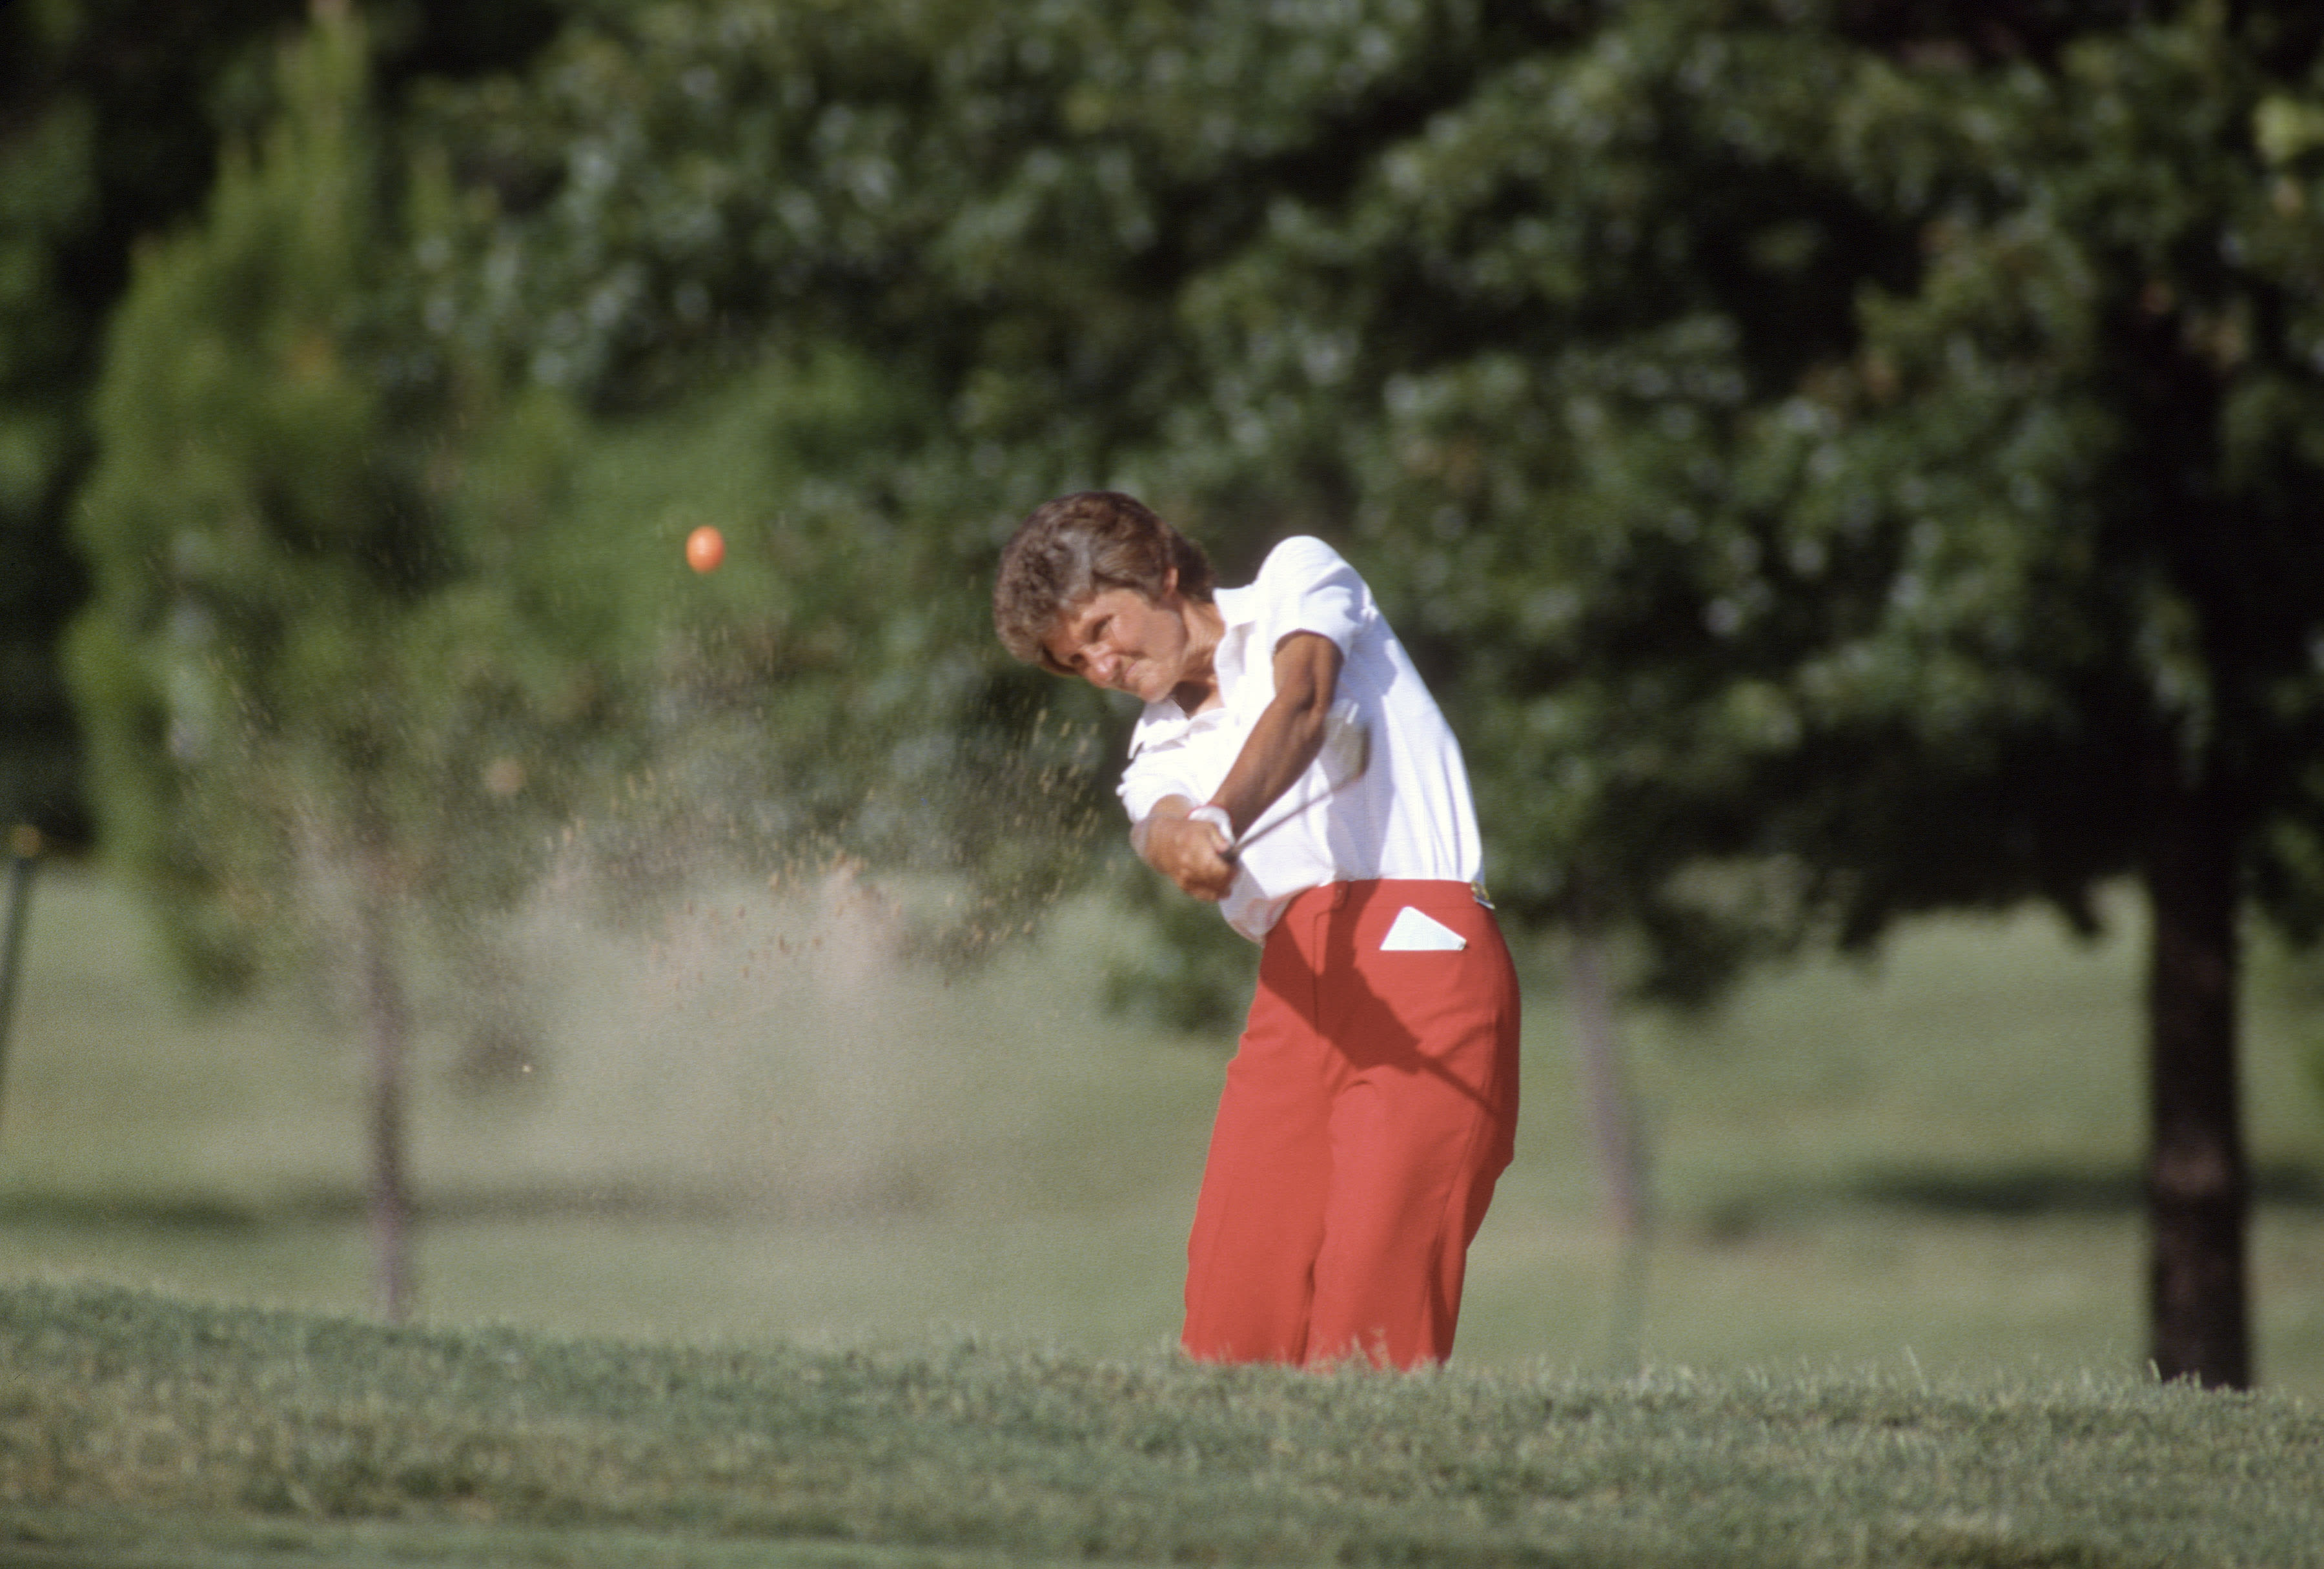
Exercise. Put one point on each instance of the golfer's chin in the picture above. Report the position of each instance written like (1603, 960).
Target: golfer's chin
(1146, 685)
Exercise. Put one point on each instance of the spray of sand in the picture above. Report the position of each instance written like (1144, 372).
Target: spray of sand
(728, 1027)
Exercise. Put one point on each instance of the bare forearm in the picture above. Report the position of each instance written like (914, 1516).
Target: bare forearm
(1281, 745)
(1289, 732)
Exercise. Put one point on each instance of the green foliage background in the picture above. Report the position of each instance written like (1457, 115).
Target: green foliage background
(294, 659)
(113, 113)
(1836, 462)
(1817, 506)
(1873, 487)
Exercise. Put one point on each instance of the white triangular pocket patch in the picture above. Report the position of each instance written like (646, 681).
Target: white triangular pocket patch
(1414, 932)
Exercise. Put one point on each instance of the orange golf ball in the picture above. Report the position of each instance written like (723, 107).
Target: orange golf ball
(705, 549)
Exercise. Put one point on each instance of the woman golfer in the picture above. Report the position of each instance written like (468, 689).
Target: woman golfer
(1291, 767)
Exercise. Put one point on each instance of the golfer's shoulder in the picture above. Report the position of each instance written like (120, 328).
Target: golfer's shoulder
(1300, 563)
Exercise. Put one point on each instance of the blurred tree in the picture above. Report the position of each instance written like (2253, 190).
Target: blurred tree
(318, 713)
(1859, 474)
(110, 111)
(94, 133)
(814, 703)
(619, 235)
(1842, 461)
(1004, 213)
(2107, 392)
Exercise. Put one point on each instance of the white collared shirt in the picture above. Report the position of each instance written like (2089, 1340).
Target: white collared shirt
(1409, 815)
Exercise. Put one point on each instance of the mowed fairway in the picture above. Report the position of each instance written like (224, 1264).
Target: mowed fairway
(1890, 1310)
(138, 1430)
(1931, 1164)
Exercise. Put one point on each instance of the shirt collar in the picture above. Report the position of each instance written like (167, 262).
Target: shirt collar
(1163, 721)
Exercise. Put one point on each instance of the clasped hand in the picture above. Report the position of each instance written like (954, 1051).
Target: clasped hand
(1190, 853)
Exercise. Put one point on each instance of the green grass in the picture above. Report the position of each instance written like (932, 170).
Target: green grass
(1931, 1164)
(132, 1425)
(787, 1257)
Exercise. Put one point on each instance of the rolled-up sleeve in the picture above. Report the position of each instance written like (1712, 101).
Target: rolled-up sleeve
(1306, 586)
(1150, 780)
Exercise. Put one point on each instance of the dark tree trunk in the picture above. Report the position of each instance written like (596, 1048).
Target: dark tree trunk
(387, 1024)
(1605, 1088)
(1615, 1137)
(24, 858)
(2199, 1195)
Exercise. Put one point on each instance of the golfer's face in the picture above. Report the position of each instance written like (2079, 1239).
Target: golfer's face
(1124, 641)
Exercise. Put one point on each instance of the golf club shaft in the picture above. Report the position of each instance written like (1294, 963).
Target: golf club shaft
(1267, 826)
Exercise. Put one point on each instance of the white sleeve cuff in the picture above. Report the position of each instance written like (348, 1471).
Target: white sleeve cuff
(1216, 816)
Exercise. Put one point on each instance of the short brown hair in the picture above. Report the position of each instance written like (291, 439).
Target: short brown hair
(1074, 549)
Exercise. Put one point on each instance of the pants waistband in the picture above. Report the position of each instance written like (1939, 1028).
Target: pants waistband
(1408, 889)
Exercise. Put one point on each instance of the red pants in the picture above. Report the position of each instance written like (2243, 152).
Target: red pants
(1366, 1115)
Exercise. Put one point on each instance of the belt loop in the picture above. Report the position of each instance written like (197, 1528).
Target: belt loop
(1339, 895)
